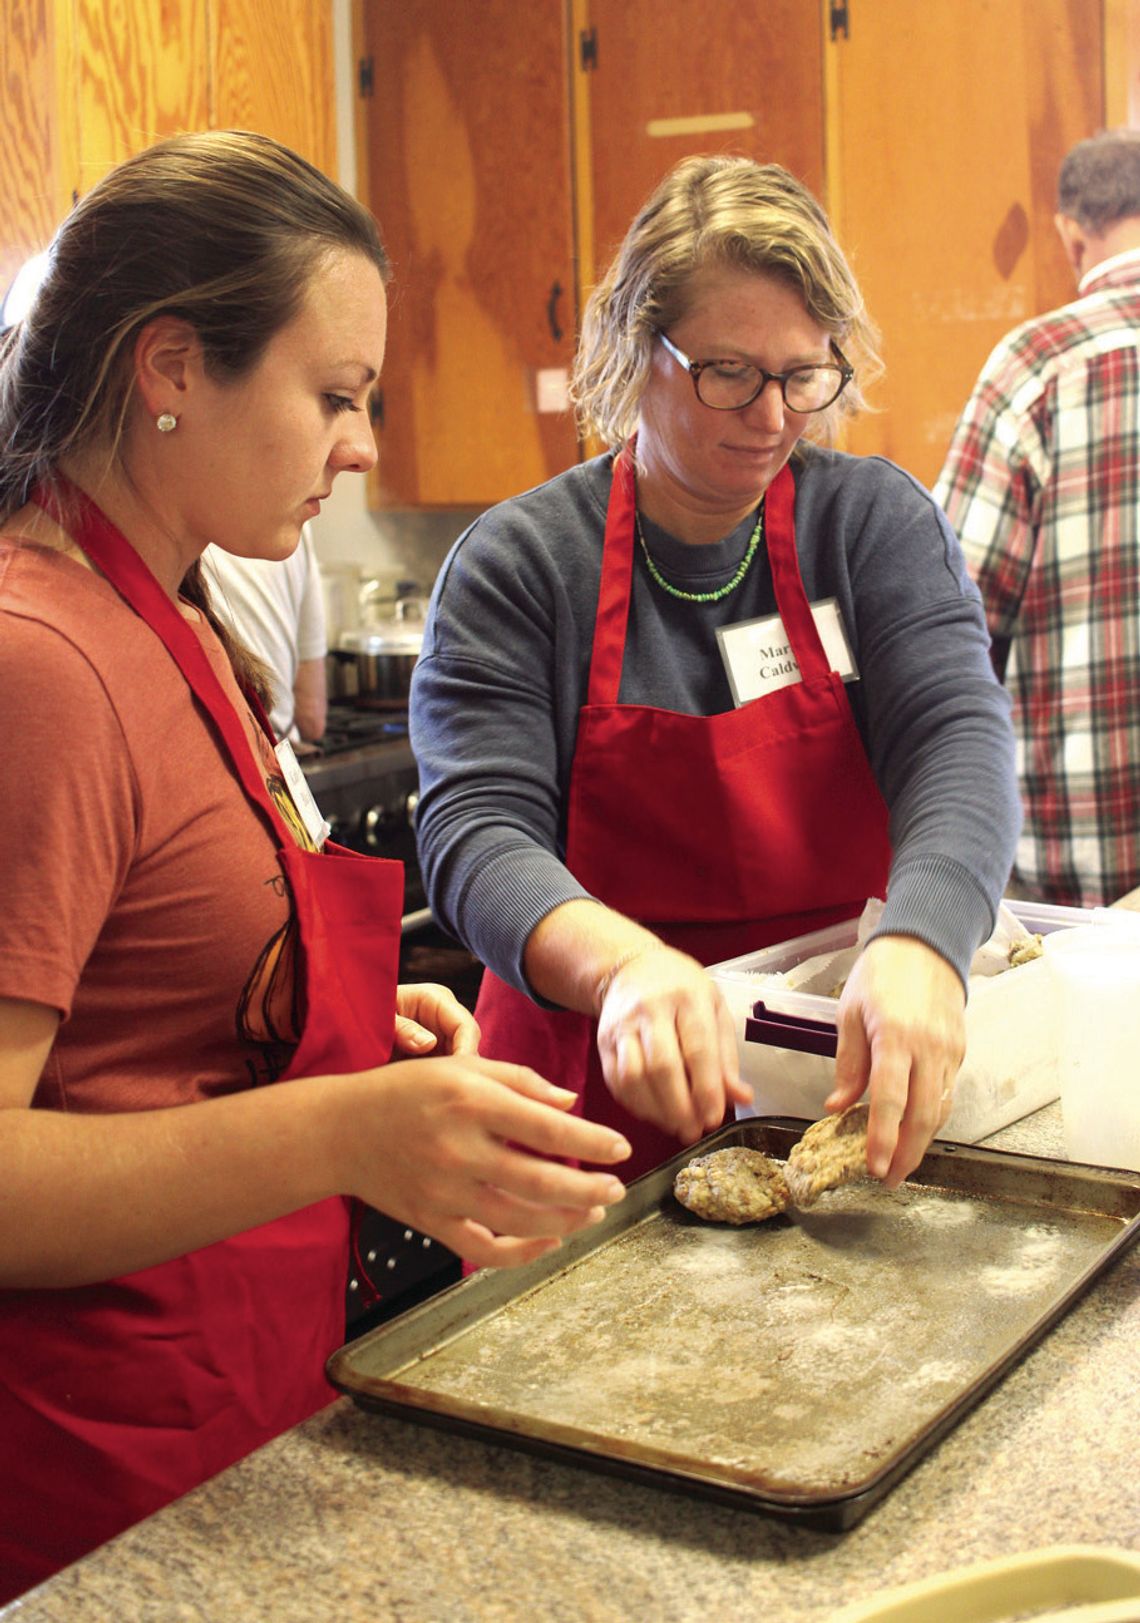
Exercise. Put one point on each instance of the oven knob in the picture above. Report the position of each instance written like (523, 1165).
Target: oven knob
(379, 823)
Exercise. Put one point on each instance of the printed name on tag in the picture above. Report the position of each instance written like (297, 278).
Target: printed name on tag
(302, 795)
(758, 657)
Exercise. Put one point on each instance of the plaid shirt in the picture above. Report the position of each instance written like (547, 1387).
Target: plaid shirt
(1042, 484)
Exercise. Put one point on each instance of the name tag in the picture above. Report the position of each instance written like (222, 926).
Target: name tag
(758, 657)
(302, 796)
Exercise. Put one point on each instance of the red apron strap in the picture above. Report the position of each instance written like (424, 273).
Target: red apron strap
(106, 546)
(614, 590)
(791, 598)
(617, 573)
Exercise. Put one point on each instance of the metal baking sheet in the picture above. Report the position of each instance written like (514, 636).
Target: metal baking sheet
(798, 1367)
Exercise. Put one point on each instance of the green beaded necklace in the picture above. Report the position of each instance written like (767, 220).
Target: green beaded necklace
(721, 591)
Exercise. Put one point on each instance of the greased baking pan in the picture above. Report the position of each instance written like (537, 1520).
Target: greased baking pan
(798, 1367)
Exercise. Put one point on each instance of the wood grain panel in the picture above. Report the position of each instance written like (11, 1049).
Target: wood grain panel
(1122, 63)
(37, 149)
(273, 72)
(468, 154)
(948, 126)
(144, 73)
(1064, 53)
(88, 82)
(691, 61)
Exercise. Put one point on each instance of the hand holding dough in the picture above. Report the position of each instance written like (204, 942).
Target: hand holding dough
(832, 1152)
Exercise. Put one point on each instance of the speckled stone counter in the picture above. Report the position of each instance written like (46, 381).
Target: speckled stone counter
(353, 1516)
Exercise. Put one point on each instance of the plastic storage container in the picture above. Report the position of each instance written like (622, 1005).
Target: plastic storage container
(1067, 1583)
(1010, 1068)
(1095, 977)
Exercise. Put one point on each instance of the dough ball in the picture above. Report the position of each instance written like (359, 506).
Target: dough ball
(736, 1185)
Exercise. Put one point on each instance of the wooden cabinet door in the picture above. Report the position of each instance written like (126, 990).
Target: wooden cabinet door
(88, 82)
(947, 126)
(149, 70)
(467, 149)
(690, 77)
(39, 167)
(272, 71)
(143, 73)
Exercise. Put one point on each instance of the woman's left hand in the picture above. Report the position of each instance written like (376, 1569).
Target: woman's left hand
(431, 1020)
(902, 1031)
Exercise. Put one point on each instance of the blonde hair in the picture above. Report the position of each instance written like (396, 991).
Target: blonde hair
(713, 211)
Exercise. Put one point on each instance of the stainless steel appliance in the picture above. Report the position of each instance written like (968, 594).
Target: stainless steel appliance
(364, 780)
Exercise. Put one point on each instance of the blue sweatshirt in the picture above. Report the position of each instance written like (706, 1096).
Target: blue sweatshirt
(506, 658)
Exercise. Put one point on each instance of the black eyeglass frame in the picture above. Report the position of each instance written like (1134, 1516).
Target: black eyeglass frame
(695, 368)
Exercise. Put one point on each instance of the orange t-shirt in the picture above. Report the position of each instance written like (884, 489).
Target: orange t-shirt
(142, 893)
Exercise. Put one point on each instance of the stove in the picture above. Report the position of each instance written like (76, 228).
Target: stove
(365, 782)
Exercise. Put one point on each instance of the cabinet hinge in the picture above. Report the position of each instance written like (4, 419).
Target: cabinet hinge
(364, 76)
(588, 49)
(839, 19)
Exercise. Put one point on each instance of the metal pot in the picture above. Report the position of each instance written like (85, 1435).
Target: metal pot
(374, 662)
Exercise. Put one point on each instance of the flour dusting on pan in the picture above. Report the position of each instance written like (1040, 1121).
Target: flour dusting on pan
(792, 1356)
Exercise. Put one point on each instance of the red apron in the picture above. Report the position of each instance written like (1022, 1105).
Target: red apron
(720, 833)
(116, 1398)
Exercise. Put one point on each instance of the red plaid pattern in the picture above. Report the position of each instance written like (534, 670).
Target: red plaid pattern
(1042, 484)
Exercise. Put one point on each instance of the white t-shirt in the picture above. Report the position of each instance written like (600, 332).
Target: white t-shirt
(277, 608)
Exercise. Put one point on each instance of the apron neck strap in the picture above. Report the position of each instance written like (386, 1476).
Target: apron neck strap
(787, 582)
(615, 590)
(101, 542)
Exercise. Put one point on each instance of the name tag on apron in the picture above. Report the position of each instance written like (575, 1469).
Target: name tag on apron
(758, 657)
(302, 796)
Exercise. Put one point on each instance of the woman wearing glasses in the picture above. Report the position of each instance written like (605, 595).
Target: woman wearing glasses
(712, 689)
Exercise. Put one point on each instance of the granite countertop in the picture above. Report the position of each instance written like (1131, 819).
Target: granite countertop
(357, 1516)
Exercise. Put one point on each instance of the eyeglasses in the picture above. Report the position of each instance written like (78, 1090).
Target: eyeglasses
(731, 385)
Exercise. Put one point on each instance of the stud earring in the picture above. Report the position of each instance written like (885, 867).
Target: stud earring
(165, 422)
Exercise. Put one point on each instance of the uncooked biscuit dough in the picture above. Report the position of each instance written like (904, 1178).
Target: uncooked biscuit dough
(832, 1152)
(737, 1185)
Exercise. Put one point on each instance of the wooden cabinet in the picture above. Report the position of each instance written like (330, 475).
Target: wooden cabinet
(38, 153)
(467, 134)
(502, 142)
(271, 70)
(694, 76)
(88, 82)
(947, 125)
(510, 144)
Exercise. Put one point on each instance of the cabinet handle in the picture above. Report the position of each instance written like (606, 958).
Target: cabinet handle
(552, 311)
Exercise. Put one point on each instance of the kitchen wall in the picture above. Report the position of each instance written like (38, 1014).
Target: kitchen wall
(390, 544)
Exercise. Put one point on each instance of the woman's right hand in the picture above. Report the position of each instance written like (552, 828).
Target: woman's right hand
(457, 1147)
(667, 1043)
